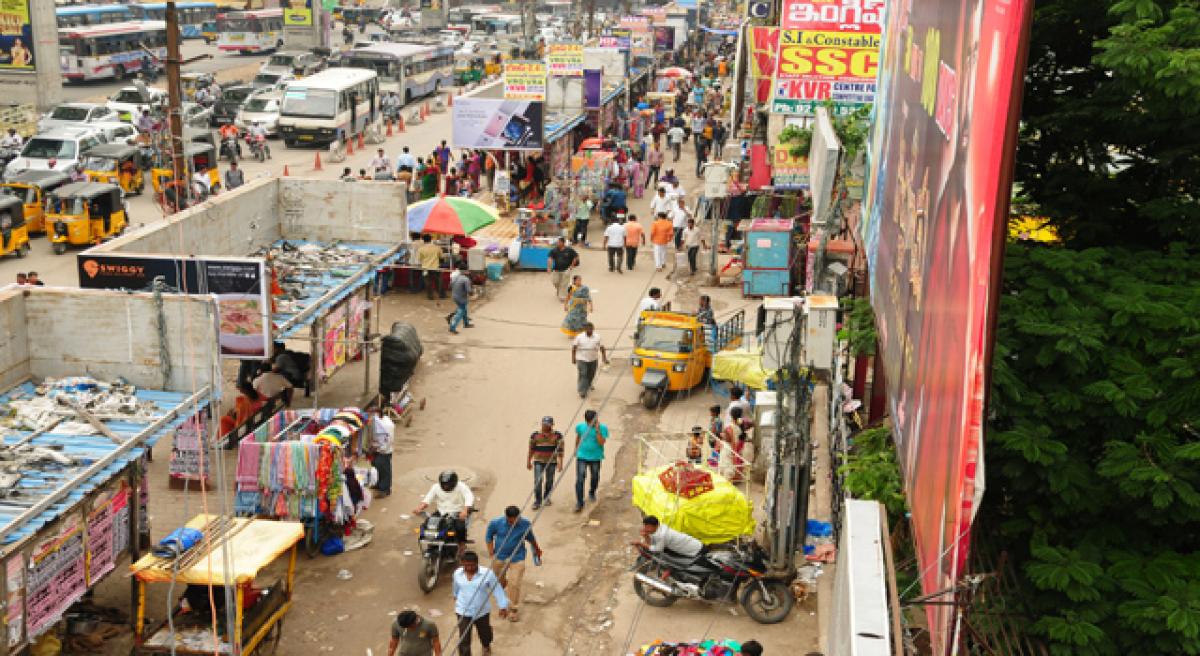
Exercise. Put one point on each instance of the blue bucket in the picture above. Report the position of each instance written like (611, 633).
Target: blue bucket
(494, 270)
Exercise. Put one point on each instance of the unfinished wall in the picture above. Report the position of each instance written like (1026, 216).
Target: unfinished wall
(332, 210)
(14, 336)
(106, 335)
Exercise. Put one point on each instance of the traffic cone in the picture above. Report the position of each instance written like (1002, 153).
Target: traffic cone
(361, 145)
(285, 171)
(400, 124)
(349, 146)
(450, 99)
(317, 161)
(389, 128)
(427, 109)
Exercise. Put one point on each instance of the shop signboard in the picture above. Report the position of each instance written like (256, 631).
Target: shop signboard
(564, 59)
(764, 48)
(664, 38)
(828, 51)
(16, 36)
(788, 171)
(298, 12)
(57, 575)
(616, 38)
(525, 80)
(241, 286)
(14, 612)
(189, 462)
(495, 124)
(635, 23)
(657, 15)
(941, 160)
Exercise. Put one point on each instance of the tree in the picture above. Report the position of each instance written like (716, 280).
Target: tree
(1094, 445)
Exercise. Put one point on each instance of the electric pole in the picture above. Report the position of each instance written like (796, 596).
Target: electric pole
(181, 181)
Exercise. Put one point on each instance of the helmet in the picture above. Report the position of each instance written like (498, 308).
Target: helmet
(448, 480)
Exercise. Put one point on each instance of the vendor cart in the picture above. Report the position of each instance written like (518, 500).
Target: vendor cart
(252, 545)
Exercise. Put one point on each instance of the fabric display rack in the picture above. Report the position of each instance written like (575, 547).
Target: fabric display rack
(705, 648)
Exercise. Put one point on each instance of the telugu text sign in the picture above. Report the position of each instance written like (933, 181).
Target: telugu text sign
(833, 15)
(525, 80)
(813, 67)
(565, 59)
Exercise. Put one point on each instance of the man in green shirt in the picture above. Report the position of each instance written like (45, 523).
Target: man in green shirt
(414, 635)
(590, 436)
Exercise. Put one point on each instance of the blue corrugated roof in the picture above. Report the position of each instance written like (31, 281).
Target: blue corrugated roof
(558, 125)
(314, 290)
(87, 449)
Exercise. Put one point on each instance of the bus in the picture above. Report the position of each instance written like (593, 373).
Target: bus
(114, 50)
(245, 32)
(239, 5)
(192, 15)
(84, 15)
(335, 103)
(411, 69)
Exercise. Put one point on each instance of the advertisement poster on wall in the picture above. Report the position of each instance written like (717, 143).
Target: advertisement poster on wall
(57, 575)
(827, 51)
(564, 59)
(16, 36)
(942, 153)
(525, 80)
(616, 38)
(764, 48)
(495, 124)
(789, 172)
(664, 38)
(297, 12)
(240, 285)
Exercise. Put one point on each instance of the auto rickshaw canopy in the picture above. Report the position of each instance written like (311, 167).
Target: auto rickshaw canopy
(11, 206)
(68, 196)
(40, 178)
(253, 545)
(111, 151)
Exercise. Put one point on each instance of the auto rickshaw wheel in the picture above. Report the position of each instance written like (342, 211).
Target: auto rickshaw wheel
(270, 642)
(23, 250)
(652, 398)
(59, 247)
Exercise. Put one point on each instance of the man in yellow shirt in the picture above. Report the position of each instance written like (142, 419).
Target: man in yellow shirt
(429, 257)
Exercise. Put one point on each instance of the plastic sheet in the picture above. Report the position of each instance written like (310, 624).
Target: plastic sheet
(741, 366)
(720, 515)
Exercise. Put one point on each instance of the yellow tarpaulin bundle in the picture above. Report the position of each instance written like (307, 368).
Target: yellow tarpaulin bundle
(743, 367)
(719, 515)
(254, 545)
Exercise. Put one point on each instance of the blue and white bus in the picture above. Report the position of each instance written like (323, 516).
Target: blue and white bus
(192, 15)
(411, 69)
(84, 15)
(110, 51)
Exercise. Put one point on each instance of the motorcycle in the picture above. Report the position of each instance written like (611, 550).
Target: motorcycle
(258, 147)
(661, 579)
(439, 544)
(230, 148)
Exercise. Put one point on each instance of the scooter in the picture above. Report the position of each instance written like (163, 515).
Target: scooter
(439, 544)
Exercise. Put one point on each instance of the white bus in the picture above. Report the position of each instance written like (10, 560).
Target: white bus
(337, 103)
(250, 31)
(114, 50)
(411, 69)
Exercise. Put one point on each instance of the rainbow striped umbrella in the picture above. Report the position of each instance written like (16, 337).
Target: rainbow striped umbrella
(451, 215)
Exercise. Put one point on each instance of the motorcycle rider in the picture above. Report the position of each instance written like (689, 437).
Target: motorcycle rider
(391, 105)
(229, 139)
(258, 135)
(659, 538)
(12, 140)
(451, 498)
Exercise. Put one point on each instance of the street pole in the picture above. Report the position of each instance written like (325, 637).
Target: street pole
(174, 102)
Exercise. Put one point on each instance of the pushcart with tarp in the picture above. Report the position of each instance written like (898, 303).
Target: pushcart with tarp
(229, 558)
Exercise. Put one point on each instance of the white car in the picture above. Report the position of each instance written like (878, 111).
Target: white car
(75, 115)
(115, 131)
(128, 101)
(62, 146)
(271, 80)
(262, 107)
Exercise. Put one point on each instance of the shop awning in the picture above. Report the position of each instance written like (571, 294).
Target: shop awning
(715, 30)
(253, 544)
(324, 294)
(560, 125)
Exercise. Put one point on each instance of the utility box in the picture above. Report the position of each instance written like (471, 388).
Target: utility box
(820, 331)
(766, 428)
(779, 322)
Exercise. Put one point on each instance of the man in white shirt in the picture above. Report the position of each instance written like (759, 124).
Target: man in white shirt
(680, 215)
(587, 351)
(653, 302)
(658, 539)
(450, 497)
(737, 399)
(661, 202)
(692, 241)
(11, 140)
(405, 161)
(614, 243)
(675, 138)
(383, 431)
(381, 166)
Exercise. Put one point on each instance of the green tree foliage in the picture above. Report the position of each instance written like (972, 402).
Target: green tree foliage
(871, 471)
(1110, 137)
(1093, 451)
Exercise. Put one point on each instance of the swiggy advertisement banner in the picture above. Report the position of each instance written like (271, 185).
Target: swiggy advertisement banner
(941, 160)
(828, 50)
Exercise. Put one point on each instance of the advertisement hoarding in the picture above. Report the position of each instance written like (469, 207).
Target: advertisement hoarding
(240, 285)
(525, 80)
(16, 36)
(764, 48)
(827, 51)
(664, 38)
(941, 161)
(495, 124)
(297, 12)
(788, 172)
(565, 59)
(617, 38)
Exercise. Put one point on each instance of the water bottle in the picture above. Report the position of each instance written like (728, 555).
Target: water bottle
(537, 560)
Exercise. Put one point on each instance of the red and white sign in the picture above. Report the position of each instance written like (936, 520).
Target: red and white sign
(865, 16)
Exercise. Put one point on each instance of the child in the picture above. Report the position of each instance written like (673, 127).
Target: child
(695, 447)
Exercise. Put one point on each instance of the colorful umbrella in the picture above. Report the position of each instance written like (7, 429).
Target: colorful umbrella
(451, 215)
(673, 71)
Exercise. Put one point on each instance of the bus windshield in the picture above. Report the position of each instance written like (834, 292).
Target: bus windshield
(238, 24)
(311, 103)
(386, 69)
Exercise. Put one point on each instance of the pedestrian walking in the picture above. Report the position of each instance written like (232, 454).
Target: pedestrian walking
(460, 293)
(720, 134)
(561, 261)
(587, 351)
(661, 233)
(544, 456)
(443, 155)
(590, 437)
(581, 214)
(234, 177)
(692, 241)
(635, 237)
(506, 538)
(675, 136)
(473, 589)
(654, 160)
(414, 635)
(680, 215)
(614, 244)
(429, 256)
(577, 307)
(382, 436)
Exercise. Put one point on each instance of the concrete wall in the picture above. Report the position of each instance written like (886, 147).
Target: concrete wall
(52, 331)
(609, 59)
(859, 624)
(332, 210)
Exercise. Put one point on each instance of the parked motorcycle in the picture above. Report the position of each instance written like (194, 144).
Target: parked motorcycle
(734, 576)
(439, 545)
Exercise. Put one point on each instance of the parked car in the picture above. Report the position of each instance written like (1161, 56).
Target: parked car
(232, 97)
(128, 100)
(71, 115)
(196, 115)
(295, 62)
(269, 81)
(63, 146)
(262, 107)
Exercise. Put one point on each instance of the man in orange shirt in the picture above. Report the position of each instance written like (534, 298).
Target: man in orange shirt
(635, 236)
(661, 234)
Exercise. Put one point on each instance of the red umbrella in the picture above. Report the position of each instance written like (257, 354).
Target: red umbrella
(673, 71)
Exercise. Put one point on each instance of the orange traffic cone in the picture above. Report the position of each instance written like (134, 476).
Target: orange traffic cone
(389, 130)
(450, 99)
(361, 145)
(317, 162)
(427, 109)
(400, 124)
(350, 146)
(285, 170)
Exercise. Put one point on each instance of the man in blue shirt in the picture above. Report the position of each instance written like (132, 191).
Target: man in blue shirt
(506, 538)
(614, 199)
(473, 590)
(590, 436)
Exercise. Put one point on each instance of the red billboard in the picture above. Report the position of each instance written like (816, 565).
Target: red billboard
(942, 152)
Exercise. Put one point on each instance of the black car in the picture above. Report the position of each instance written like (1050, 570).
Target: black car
(226, 109)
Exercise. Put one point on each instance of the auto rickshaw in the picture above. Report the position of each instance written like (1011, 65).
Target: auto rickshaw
(84, 213)
(468, 70)
(118, 164)
(32, 186)
(208, 31)
(199, 156)
(673, 351)
(14, 236)
(190, 83)
(256, 549)
(494, 65)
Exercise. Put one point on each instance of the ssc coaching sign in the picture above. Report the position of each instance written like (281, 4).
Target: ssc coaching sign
(829, 51)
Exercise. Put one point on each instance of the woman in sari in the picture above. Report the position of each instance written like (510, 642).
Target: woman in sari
(636, 176)
(578, 305)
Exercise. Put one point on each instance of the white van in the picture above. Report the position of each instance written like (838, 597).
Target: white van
(335, 103)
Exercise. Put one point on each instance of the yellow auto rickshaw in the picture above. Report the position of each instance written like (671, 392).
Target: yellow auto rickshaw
(191, 82)
(118, 164)
(673, 351)
(84, 213)
(32, 186)
(14, 236)
(494, 65)
(253, 549)
(199, 156)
